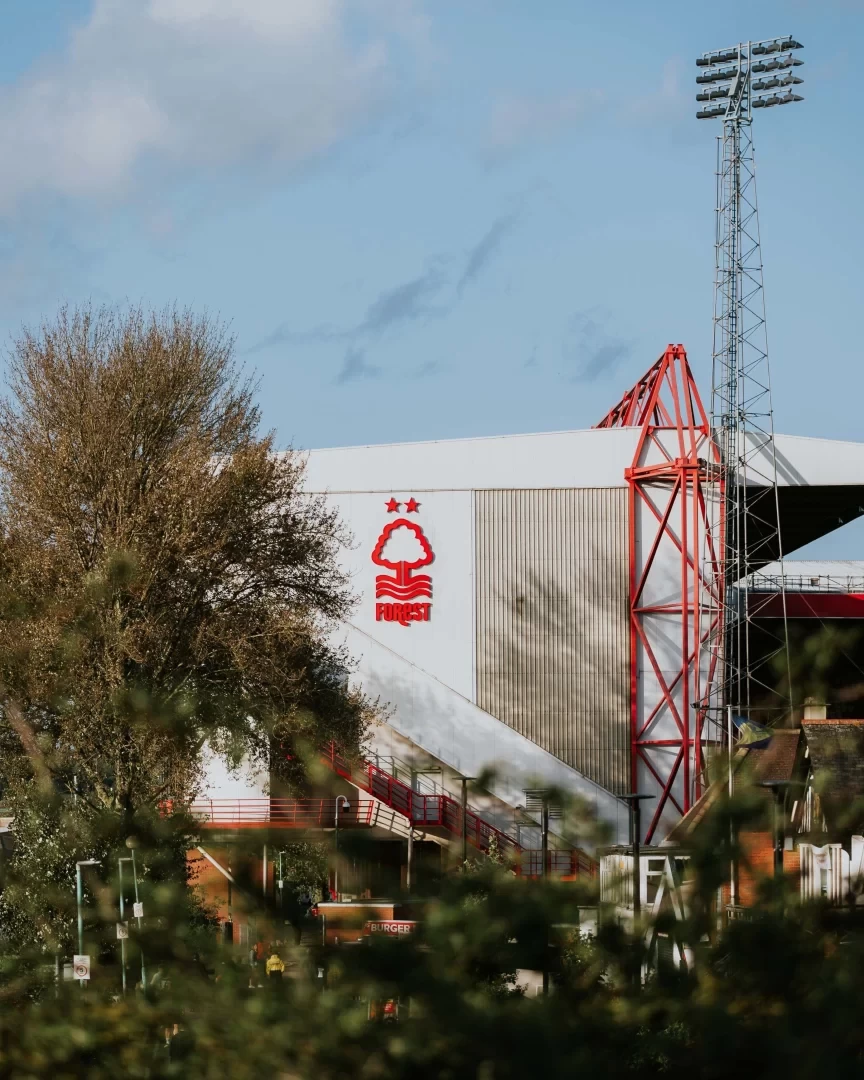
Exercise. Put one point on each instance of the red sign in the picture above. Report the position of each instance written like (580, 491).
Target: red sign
(391, 926)
(403, 548)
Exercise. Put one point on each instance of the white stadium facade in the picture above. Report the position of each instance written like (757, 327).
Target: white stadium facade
(532, 604)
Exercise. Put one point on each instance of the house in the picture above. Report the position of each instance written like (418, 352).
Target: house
(810, 779)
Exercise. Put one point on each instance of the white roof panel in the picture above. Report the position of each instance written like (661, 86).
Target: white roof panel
(566, 459)
(557, 459)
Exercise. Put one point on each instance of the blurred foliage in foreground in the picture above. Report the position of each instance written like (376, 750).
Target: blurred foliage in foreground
(778, 994)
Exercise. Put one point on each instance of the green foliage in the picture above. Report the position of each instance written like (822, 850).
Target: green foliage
(765, 998)
(304, 866)
(162, 581)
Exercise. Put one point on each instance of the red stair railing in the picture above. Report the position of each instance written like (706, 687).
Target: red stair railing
(445, 812)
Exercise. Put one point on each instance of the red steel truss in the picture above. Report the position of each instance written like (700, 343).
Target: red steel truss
(676, 582)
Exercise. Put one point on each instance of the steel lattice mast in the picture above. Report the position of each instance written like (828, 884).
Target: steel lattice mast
(733, 83)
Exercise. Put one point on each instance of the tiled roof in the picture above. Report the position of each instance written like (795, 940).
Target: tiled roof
(776, 761)
(836, 752)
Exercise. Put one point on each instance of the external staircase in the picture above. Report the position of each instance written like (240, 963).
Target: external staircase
(440, 812)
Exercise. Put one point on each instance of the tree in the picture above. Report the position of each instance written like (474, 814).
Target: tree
(164, 580)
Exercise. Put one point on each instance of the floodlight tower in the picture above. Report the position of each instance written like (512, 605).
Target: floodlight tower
(733, 84)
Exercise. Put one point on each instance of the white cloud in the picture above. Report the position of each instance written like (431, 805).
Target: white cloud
(195, 83)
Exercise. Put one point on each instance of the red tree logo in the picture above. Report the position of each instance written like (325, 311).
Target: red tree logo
(402, 547)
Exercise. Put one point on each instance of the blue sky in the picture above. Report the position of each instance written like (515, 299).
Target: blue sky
(432, 218)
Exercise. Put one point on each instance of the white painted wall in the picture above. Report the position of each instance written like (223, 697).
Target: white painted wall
(444, 646)
(246, 782)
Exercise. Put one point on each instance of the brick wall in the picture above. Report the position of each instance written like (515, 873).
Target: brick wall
(758, 849)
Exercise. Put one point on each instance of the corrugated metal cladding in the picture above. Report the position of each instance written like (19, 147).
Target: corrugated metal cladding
(552, 631)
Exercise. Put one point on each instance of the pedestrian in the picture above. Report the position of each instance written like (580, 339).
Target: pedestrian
(275, 966)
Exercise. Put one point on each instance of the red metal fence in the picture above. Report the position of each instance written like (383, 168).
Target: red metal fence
(287, 813)
(423, 811)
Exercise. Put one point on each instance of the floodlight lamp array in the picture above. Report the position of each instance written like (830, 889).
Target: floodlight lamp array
(717, 76)
(722, 57)
(712, 95)
(778, 45)
(773, 83)
(775, 64)
(731, 87)
(776, 99)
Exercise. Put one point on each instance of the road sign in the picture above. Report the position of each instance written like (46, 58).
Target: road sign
(138, 910)
(81, 967)
(122, 931)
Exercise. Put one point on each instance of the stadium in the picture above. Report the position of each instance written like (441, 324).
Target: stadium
(531, 604)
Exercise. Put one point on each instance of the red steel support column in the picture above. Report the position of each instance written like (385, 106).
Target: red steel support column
(674, 463)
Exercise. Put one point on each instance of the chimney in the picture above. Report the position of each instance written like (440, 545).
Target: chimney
(814, 709)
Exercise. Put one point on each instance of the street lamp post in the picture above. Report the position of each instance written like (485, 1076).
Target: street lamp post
(131, 844)
(79, 897)
(341, 803)
(465, 782)
(538, 800)
(634, 801)
(120, 862)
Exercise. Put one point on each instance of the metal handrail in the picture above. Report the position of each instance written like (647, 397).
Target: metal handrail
(300, 813)
(441, 811)
(821, 583)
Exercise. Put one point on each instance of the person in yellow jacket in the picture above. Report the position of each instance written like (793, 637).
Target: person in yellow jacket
(275, 966)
